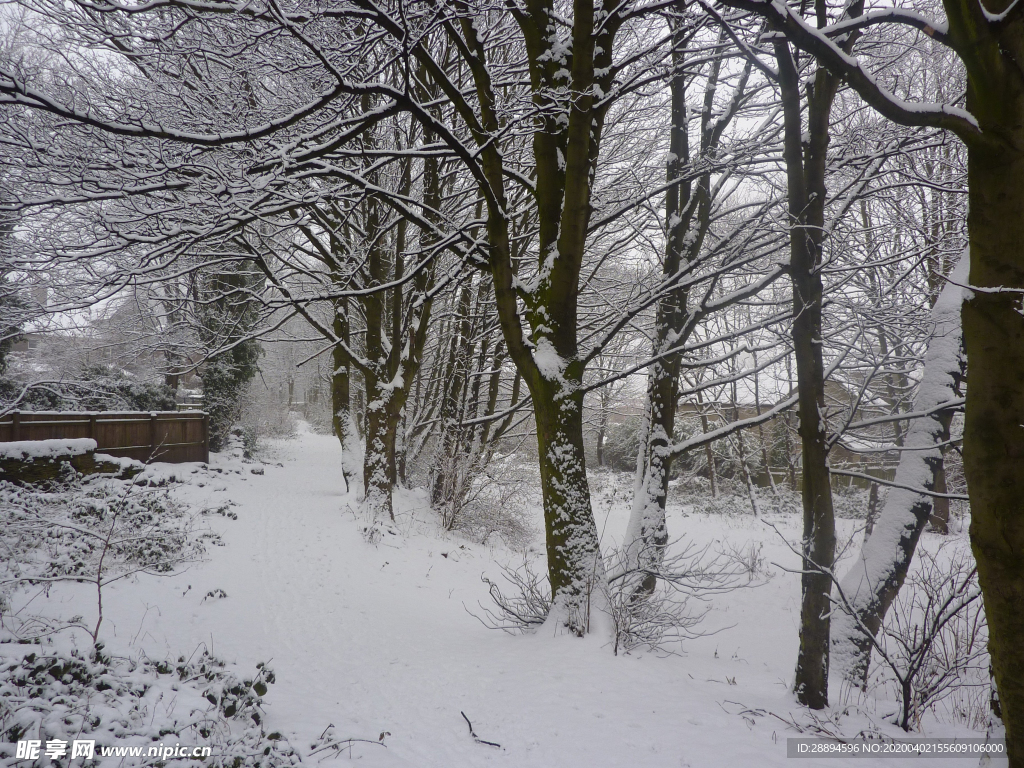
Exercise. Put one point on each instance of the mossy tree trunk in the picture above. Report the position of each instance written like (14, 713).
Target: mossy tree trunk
(993, 436)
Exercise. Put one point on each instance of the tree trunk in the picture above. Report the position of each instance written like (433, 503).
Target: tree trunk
(541, 337)
(760, 433)
(741, 451)
(869, 522)
(575, 567)
(395, 336)
(379, 459)
(341, 401)
(788, 430)
(806, 199)
(604, 400)
(486, 433)
(993, 328)
(876, 577)
(687, 216)
(444, 467)
(939, 520)
(709, 455)
(647, 533)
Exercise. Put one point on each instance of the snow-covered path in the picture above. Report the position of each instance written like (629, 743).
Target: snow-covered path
(378, 639)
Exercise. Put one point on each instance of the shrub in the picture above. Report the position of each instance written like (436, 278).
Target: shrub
(51, 694)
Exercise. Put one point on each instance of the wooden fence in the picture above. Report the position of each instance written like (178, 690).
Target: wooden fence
(171, 436)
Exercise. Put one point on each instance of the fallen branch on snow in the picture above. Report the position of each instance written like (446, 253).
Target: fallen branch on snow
(473, 733)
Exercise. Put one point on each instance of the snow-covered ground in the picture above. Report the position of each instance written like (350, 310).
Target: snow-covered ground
(382, 640)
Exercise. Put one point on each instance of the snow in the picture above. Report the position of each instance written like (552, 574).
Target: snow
(46, 449)
(123, 462)
(384, 640)
(549, 363)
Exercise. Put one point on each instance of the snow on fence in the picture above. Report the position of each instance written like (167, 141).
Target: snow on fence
(171, 436)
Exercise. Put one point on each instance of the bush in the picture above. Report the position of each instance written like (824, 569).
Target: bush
(99, 531)
(95, 531)
(47, 694)
(113, 390)
(934, 642)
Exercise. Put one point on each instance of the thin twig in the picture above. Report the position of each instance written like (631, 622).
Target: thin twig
(473, 733)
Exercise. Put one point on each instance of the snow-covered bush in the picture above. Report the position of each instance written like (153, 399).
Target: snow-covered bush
(53, 690)
(49, 693)
(98, 531)
(521, 604)
(94, 531)
(850, 503)
(657, 619)
(749, 559)
(661, 607)
(107, 388)
(723, 504)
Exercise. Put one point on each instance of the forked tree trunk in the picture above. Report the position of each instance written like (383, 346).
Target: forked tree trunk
(565, 148)
(396, 332)
(553, 371)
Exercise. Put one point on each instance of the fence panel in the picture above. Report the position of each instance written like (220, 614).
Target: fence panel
(170, 436)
